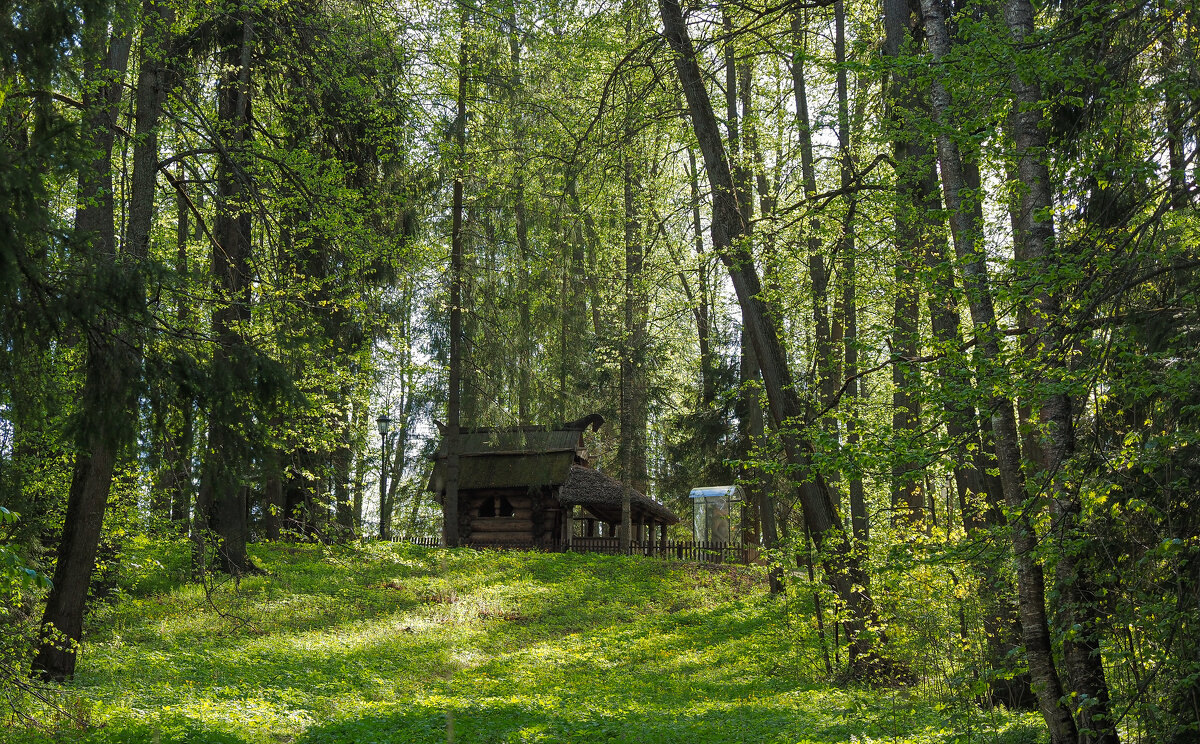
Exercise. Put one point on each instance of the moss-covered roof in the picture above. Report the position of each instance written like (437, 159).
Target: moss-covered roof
(504, 470)
(515, 457)
(516, 442)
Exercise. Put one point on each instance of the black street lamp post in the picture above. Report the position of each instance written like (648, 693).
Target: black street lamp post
(384, 423)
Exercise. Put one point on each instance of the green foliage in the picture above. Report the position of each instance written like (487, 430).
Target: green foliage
(21, 588)
(15, 575)
(346, 192)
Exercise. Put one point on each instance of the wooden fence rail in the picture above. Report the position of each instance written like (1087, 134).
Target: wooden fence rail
(679, 550)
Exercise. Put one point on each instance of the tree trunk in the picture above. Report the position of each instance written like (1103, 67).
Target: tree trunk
(761, 497)
(820, 508)
(1176, 122)
(752, 434)
(359, 486)
(1078, 615)
(521, 218)
(221, 503)
(818, 271)
(273, 499)
(343, 460)
(977, 501)
(399, 458)
(860, 524)
(702, 303)
(576, 282)
(150, 93)
(450, 528)
(761, 505)
(634, 473)
(966, 222)
(179, 448)
(108, 406)
(629, 365)
(916, 196)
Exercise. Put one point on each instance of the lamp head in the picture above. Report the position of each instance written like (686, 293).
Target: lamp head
(384, 423)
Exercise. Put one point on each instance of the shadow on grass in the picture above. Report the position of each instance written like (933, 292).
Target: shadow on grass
(554, 597)
(377, 646)
(488, 722)
(167, 730)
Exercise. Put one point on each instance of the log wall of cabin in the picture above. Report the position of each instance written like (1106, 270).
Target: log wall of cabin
(535, 517)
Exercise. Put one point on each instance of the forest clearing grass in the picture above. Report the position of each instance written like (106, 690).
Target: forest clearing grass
(391, 643)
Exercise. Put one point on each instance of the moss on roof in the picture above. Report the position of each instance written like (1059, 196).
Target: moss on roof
(505, 471)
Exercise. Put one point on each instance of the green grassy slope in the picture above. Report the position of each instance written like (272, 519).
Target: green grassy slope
(388, 643)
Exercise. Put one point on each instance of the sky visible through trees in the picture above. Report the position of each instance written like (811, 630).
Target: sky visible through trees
(920, 276)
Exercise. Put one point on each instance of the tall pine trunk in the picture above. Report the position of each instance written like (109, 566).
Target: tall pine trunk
(221, 507)
(450, 529)
(108, 406)
(525, 341)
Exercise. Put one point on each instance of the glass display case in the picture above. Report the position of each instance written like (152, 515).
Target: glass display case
(712, 510)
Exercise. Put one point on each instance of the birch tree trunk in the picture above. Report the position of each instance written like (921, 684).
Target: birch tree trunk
(1077, 616)
(966, 222)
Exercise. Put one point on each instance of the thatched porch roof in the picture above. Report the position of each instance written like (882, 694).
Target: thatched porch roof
(601, 495)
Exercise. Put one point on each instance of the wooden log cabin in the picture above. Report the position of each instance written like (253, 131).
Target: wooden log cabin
(534, 486)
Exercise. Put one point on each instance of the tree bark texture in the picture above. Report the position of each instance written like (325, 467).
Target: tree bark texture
(178, 457)
(525, 362)
(728, 231)
(847, 250)
(343, 460)
(753, 434)
(825, 354)
(450, 531)
(107, 408)
(916, 198)
(702, 303)
(966, 222)
(1078, 616)
(761, 500)
(628, 362)
(221, 502)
